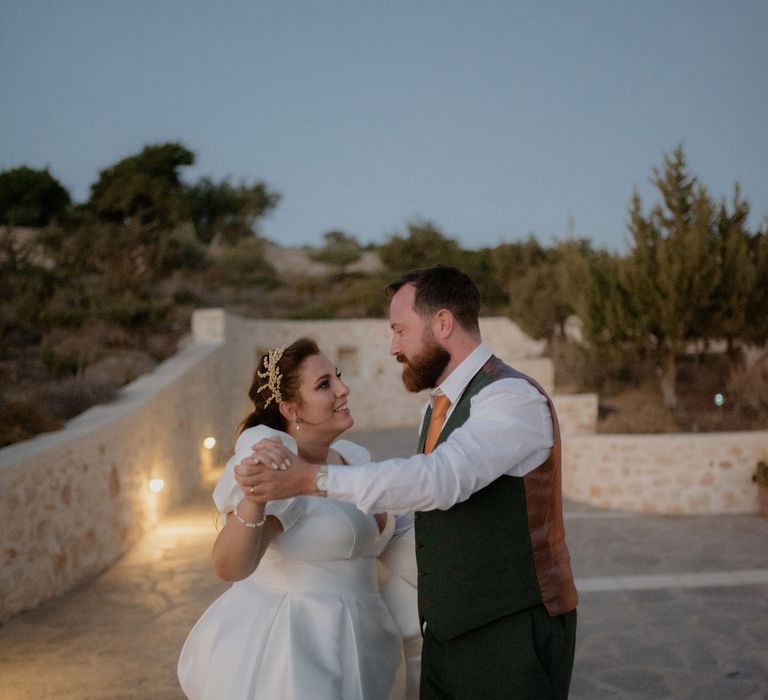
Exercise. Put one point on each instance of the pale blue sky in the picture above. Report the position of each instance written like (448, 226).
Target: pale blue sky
(493, 119)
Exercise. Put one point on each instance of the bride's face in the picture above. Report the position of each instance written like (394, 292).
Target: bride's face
(322, 407)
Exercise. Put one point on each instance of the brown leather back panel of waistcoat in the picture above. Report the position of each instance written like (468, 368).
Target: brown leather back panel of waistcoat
(544, 501)
(544, 509)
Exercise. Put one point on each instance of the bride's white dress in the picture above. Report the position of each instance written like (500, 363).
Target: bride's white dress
(310, 621)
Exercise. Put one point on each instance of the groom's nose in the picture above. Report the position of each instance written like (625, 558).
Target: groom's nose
(394, 346)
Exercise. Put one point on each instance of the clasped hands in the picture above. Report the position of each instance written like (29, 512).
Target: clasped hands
(272, 472)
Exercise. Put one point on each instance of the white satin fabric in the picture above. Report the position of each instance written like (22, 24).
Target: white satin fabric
(310, 621)
(397, 580)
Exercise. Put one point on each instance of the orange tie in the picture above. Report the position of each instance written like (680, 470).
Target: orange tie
(436, 420)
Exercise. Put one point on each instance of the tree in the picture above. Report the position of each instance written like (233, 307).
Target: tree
(134, 207)
(738, 273)
(144, 189)
(424, 245)
(529, 275)
(691, 274)
(31, 197)
(244, 265)
(339, 249)
(25, 288)
(672, 273)
(591, 281)
(225, 213)
(28, 198)
(756, 313)
(479, 265)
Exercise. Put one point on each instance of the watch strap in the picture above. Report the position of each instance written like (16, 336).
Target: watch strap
(321, 480)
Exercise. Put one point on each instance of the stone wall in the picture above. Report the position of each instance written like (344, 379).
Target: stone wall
(73, 501)
(702, 473)
(576, 413)
(360, 348)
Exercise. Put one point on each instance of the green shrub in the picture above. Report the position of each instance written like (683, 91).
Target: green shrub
(21, 420)
(244, 265)
(313, 313)
(184, 295)
(134, 312)
(339, 249)
(24, 293)
(580, 367)
(186, 255)
(60, 361)
(424, 245)
(70, 397)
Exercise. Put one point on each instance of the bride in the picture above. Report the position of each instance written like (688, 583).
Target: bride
(304, 617)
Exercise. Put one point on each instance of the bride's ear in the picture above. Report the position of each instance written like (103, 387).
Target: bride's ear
(288, 410)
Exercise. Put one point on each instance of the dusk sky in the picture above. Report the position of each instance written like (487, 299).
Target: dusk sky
(494, 120)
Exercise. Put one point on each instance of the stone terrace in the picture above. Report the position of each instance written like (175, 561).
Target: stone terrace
(671, 607)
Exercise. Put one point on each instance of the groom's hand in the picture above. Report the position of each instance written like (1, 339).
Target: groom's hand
(273, 472)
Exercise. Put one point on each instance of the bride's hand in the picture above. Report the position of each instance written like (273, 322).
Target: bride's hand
(271, 453)
(262, 458)
(273, 473)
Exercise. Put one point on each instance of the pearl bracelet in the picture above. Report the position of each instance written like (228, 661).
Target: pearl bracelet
(246, 523)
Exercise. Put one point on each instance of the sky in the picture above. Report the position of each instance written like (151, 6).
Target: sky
(495, 119)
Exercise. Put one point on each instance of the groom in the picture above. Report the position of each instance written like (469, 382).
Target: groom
(496, 593)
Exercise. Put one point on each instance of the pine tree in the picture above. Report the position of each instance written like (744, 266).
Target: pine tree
(692, 273)
(756, 315)
(738, 274)
(671, 274)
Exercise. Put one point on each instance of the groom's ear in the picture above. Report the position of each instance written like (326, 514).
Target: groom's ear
(443, 324)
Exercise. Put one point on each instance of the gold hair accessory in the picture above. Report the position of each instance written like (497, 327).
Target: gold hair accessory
(273, 376)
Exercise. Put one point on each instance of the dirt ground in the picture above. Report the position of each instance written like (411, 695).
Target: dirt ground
(711, 397)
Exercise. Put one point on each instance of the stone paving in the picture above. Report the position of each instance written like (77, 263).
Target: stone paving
(670, 608)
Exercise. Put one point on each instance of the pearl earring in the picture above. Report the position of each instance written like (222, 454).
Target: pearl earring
(298, 423)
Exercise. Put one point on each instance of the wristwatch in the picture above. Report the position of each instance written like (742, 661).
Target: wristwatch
(321, 480)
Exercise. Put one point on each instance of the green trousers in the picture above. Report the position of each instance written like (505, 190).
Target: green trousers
(524, 656)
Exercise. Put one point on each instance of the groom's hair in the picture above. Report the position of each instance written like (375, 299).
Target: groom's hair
(443, 287)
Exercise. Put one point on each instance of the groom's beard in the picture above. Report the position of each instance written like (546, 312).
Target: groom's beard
(423, 371)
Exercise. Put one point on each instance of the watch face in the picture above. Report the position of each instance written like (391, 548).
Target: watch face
(322, 482)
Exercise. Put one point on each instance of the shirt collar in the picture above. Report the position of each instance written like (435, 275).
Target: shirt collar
(454, 384)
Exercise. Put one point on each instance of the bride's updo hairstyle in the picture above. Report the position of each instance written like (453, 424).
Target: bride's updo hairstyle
(269, 388)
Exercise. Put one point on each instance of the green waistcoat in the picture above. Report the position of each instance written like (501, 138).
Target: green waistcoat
(475, 560)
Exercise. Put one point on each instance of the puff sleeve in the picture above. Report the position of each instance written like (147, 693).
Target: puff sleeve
(227, 493)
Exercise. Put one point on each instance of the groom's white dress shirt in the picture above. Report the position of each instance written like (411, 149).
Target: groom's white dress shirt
(509, 431)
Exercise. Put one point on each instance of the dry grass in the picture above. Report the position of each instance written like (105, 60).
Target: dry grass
(636, 410)
(639, 408)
